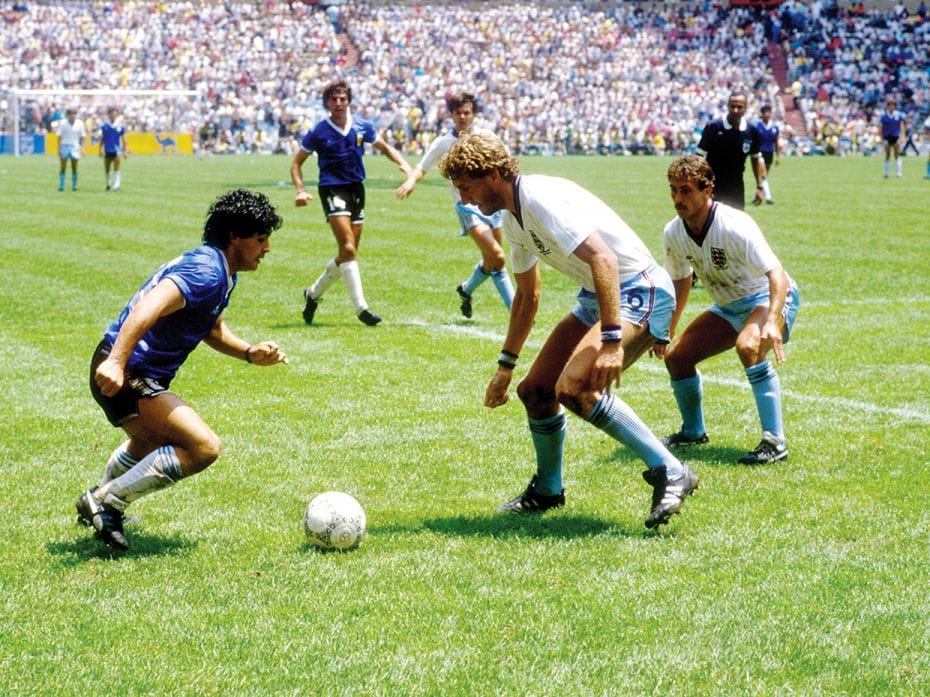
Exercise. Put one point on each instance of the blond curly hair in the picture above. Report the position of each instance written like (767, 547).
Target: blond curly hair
(477, 155)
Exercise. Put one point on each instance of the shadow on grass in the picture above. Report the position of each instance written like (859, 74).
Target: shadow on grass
(498, 526)
(84, 549)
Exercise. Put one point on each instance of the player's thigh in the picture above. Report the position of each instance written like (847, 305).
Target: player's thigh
(707, 335)
(343, 230)
(566, 339)
(749, 344)
(577, 373)
(167, 419)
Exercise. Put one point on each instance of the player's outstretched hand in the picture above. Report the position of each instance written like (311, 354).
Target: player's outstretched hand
(266, 353)
(303, 198)
(496, 395)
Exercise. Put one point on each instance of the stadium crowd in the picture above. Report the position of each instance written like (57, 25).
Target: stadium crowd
(551, 78)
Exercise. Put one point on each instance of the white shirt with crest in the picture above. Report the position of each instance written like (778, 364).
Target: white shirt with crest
(731, 261)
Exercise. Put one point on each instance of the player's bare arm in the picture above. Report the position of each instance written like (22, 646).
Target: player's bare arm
(405, 189)
(391, 153)
(303, 196)
(682, 291)
(162, 300)
(773, 327)
(222, 339)
(522, 314)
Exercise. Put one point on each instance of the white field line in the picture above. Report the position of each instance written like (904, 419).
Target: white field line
(920, 300)
(914, 415)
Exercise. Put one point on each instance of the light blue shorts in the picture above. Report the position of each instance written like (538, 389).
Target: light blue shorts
(647, 298)
(738, 311)
(70, 152)
(470, 216)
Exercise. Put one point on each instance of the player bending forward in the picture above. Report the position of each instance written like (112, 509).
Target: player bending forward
(623, 308)
(179, 306)
(755, 305)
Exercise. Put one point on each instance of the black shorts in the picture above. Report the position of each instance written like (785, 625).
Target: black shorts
(110, 156)
(346, 199)
(891, 140)
(767, 158)
(124, 405)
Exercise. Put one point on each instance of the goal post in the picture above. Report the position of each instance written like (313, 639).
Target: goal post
(157, 121)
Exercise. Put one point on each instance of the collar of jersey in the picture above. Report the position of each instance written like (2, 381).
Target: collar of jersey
(343, 131)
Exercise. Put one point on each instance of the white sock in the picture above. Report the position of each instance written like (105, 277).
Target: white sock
(353, 279)
(765, 189)
(898, 165)
(157, 470)
(119, 463)
(116, 180)
(326, 279)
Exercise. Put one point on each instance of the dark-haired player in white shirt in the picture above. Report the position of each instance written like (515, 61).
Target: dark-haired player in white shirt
(755, 304)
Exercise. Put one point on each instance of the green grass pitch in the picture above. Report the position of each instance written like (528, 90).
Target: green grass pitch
(808, 577)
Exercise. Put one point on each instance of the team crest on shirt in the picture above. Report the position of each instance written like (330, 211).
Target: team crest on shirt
(540, 246)
(746, 147)
(358, 140)
(718, 257)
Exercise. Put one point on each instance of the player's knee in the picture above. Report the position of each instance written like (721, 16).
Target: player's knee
(677, 363)
(494, 260)
(535, 397)
(748, 349)
(575, 395)
(205, 453)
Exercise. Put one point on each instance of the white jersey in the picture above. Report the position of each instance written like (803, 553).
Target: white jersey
(731, 262)
(71, 134)
(439, 147)
(558, 215)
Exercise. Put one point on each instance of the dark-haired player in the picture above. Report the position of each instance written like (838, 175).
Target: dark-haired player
(485, 230)
(754, 305)
(179, 306)
(339, 144)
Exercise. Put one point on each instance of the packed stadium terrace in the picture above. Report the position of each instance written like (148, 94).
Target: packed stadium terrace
(552, 78)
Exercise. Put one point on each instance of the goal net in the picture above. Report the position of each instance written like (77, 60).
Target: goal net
(156, 120)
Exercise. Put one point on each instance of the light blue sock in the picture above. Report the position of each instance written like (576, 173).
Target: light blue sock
(549, 441)
(766, 387)
(689, 393)
(928, 169)
(74, 180)
(504, 286)
(615, 418)
(887, 166)
(478, 276)
(61, 181)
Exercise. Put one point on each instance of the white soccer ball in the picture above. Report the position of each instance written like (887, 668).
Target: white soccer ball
(334, 521)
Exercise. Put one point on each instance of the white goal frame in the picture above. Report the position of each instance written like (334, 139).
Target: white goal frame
(16, 94)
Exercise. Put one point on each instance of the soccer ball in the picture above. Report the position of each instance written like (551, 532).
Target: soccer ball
(334, 521)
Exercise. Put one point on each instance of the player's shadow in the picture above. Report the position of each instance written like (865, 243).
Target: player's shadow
(557, 525)
(80, 551)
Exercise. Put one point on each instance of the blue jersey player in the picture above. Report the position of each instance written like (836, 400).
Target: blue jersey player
(769, 134)
(112, 146)
(131, 371)
(339, 144)
(892, 124)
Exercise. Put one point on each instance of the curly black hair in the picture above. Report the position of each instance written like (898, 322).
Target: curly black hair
(239, 213)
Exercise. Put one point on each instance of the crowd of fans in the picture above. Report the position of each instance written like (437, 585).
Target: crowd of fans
(843, 63)
(551, 78)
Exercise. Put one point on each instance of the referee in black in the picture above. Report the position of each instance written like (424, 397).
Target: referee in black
(726, 143)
